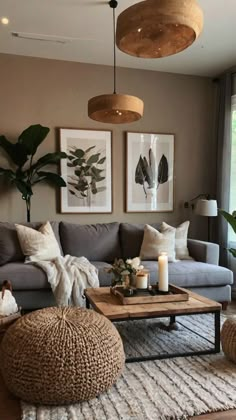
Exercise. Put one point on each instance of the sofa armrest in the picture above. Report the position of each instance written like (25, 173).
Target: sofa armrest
(207, 252)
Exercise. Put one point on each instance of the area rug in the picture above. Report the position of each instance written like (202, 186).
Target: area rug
(170, 389)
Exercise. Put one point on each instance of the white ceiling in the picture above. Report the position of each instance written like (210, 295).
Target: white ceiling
(88, 23)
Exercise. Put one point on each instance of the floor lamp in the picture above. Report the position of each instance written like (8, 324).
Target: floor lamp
(207, 208)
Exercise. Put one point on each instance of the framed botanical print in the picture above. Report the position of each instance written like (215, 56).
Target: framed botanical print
(149, 172)
(86, 171)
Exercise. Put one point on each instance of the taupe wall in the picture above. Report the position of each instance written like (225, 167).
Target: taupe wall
(55, 94)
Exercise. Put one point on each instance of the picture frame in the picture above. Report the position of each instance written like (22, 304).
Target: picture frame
(87, 171)
(149, 172)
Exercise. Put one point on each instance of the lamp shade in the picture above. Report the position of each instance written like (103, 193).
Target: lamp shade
(206, 208)
(158, 28)
(115, 108)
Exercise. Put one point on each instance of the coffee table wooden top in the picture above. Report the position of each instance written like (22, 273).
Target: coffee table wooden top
(109, 305)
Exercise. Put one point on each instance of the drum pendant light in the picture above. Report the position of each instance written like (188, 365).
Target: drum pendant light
(115, 108)
(158, 28)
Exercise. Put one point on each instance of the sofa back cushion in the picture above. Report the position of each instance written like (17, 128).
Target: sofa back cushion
(131, 236)
(10, 249)
(99, 242)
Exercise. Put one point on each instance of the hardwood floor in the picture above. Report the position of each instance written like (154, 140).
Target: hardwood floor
(10, 405)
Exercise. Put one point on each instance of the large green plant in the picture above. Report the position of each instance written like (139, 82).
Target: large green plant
(27, 173)
(231, 219)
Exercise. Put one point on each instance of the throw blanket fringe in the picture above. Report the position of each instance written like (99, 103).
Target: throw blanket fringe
(68, 277)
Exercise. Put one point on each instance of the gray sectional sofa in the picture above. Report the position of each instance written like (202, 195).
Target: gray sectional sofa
(101, 243)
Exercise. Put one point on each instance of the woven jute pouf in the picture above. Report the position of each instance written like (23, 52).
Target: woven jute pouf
(61, 355)
(228, 338)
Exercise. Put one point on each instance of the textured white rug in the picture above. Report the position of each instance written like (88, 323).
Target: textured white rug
(171, 389)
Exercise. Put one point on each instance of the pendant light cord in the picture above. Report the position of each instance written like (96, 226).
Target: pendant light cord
(114, 48)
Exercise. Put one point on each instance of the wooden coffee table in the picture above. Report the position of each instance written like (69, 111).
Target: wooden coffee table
(108, 305)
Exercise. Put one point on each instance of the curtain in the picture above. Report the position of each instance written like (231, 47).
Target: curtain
(223, 159)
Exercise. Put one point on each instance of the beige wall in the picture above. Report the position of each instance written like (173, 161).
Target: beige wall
(55, 94)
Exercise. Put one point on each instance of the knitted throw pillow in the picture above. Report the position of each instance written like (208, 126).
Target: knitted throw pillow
(155, 242)
(38, 245)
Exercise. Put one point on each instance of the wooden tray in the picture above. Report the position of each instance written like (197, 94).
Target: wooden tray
(175, 294)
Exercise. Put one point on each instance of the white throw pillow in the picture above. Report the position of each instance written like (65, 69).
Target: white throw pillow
(155, 242)
(38, 245)
(181, 236)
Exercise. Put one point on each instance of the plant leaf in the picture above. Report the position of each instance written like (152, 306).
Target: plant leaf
(32, 137)
(147, 173)
(24, 188)
(230, 218)
(50, 177)
(232, 251)
(163, 170)
(93, 159)
(139, 175)
(79, 153)
(17, 152)
(48, 159)
(90, 148)
(8, 173)
(93, 187)
(101, 160)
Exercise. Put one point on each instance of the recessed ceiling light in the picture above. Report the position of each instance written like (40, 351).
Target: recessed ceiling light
(4, 20)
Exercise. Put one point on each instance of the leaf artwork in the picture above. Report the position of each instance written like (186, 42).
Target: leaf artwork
(147, 174)
(89, 167)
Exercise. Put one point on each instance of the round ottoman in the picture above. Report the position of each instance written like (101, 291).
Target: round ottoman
(228, 338)
(61, 355)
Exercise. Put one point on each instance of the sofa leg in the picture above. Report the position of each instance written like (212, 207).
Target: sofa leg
(224, 305)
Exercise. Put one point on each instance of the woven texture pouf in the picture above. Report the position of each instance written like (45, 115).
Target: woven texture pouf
(228, 338)
(61, 355)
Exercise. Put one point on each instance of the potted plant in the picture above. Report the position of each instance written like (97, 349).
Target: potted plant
(26, 172)
(231, 219)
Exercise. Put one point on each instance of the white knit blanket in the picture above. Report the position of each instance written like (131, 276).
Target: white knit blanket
(68, 277)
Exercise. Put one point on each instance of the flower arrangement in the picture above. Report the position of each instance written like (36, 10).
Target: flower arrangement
(122, 268)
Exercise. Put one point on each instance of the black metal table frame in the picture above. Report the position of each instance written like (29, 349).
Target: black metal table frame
(211, 350)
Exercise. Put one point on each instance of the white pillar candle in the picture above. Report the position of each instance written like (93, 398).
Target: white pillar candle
(141, 281)
(163, 272)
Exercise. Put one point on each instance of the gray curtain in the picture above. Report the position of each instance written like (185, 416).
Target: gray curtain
(225, 87)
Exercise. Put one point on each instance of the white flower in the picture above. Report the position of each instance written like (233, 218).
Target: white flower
(135, 262)
(129, 261)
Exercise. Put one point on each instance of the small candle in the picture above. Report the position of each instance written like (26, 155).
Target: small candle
(141, 281)
(163, 272)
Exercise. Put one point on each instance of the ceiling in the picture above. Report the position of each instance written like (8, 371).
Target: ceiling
(85, 27)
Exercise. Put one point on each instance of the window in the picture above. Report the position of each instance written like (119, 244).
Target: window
(232, 204)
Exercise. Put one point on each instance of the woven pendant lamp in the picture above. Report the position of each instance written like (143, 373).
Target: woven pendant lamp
(115, 108)
(158, 28)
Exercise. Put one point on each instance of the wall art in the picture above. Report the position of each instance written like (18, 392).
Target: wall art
(149, 172)
(87, 171)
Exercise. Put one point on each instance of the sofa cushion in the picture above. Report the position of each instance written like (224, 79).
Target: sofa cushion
(131, 236)
(181, 236)
(192, 274)
(98, 242)
(38, 245)
(10, 249)
(24, 276)
(155, 242)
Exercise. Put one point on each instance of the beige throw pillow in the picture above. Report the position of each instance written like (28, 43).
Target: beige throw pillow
(38, 245)
(155, 242)
(181, 236)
